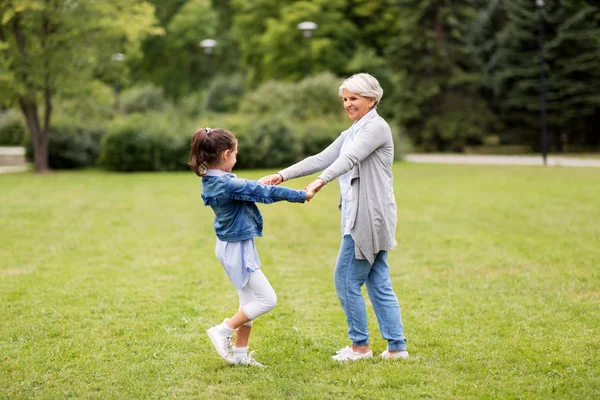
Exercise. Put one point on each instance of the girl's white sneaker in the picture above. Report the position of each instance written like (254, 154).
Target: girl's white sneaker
(222, 343)
(386, 355)
(347, 354)
(249, 360)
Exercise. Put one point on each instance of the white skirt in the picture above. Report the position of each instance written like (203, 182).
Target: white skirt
(239, 259)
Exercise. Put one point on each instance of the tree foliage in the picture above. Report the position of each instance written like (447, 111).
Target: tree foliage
(272, 47)
(439, 93)
(453, 73)
(175, 61)
(52, 48)
(571, 65)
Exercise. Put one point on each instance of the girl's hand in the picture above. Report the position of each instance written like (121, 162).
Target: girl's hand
(313, 187)
(274, 179)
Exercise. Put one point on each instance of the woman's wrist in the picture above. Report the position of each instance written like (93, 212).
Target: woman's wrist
(280, 176)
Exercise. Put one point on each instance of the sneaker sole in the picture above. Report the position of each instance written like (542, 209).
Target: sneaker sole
(353, 359)
(215, 341)
(404, 356)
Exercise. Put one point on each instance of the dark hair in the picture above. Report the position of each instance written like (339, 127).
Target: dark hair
(206, 147)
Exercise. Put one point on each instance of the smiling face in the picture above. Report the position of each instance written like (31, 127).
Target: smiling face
(356, 105)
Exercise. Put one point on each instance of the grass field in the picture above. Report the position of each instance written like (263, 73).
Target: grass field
(109, 281)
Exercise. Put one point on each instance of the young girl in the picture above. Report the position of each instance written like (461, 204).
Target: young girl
(237, 222)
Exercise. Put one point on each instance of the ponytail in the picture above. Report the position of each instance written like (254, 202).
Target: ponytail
(206, 146)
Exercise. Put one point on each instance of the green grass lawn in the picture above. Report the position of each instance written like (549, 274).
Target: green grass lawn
(109, 281)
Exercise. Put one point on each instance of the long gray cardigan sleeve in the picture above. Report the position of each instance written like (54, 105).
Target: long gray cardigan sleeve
(315, 163)
(370, 139)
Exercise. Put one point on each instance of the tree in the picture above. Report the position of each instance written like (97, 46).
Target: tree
(571, 65)
(272, 47)
(249, 23)
(438, 95)
(50, 48)
(573, 54)
(175, 61)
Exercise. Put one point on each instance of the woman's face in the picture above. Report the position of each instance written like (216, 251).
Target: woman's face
(356, 105)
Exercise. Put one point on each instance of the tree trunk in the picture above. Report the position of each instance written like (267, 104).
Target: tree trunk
(39, 136)
(28, 102)
(41, 156)
(440, 32)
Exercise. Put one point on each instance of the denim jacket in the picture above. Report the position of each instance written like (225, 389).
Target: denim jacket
(232, 200)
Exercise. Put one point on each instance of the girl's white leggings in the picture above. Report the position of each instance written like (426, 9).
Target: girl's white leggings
(257, 297)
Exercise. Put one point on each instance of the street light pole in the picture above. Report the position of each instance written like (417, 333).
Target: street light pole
(208, 45)
(118, 57)
(540, 5)
(307, 28)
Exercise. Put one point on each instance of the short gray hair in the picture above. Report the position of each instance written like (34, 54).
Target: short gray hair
(363, 84)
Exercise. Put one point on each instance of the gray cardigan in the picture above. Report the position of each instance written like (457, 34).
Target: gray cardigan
(370, 157)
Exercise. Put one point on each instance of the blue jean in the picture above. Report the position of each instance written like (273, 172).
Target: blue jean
(349, 276)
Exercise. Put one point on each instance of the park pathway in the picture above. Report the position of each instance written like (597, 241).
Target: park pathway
(7, 169)
(555, 161)
(12, 159)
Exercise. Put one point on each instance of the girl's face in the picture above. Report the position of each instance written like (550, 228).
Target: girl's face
(229, 158)
(356, 105)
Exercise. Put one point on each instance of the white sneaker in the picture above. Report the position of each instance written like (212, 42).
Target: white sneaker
(347, 354)
(386, 355)
(222, 343)
(249, 360)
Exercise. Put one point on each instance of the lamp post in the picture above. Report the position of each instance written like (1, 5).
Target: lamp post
(540, 6)
(307, 29)
(118, 57)
(208, 45)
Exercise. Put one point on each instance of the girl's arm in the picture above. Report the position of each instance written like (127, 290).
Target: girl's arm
(245, 190)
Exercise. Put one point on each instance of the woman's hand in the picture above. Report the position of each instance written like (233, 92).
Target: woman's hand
(313, 187)
(274, 179)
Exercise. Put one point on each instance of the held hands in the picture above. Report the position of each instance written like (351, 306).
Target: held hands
(313, 187)
(274, 179)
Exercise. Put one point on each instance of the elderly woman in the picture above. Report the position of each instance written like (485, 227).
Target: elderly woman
(361, 158)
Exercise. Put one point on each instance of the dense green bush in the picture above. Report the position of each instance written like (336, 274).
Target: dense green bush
(138, 144)
(310, 98)
(126, 148)
(142, 98)
(71, 145)
(269, 98)
(315, 135)
(267, 143)
(316, 96)
(160, 141)
(190, 106)
(12, 128)
(402, 143)
(225, 93)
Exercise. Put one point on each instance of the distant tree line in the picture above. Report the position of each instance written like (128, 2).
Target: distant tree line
(454, 73)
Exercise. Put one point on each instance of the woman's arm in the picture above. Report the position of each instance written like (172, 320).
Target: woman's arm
(309, 165)
(245, 190)
(373, 136)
